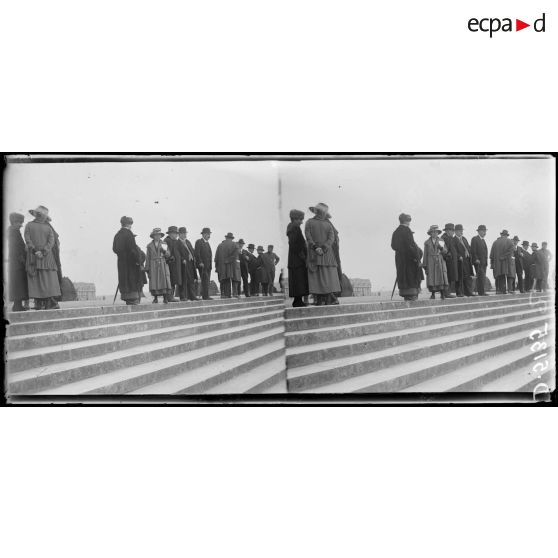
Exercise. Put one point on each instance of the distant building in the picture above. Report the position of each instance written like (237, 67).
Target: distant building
(85, 291)
(361, 287)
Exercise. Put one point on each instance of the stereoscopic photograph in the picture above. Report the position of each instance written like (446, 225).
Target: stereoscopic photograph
(279, 277)
(142, 278)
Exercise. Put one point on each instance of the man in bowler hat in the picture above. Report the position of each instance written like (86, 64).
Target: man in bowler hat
(479, 257)
(204, 259)
(527, 261)
(464, 284)
(502, 262)
(451, 259)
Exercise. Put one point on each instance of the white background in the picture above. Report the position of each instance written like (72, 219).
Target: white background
(276, 76)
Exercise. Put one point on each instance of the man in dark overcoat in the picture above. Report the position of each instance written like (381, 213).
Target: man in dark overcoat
(17, 255)
(538, 261)
(204, 259)
(252, 269)
(129, 270)
(225, 258)
(527, 280)
(273, 260)
(519, 265)
(188, 266)
(407, 259)
(464, 285)
(244, 267)
(479, 257)
(451, 258)
(176, 250)
(546, 270)
(502, 262)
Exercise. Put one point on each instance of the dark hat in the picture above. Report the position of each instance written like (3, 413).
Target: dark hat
(535, 245)
(229, 235)
(449, 227)
(270, 246)
(504, 233)
(206, 230)
(481, 228)
(296, 214)
(404, 217)
(251, 246)
(434, 228)
(16, 218)
(156, 231)
(525, 243)
(39, 209)
(241, 241)
(516, 238)
(182, 230)
(126, 220)
(458, 227)
(172, 229)
(260, 249)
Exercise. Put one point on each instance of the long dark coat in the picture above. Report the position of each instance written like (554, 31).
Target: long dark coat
(17, 254)
(263, 270)
(451, 257)
(538, 264)
(189, 264)
(204, 254)
(501, 257)
(479, 250)
(225, 258)
(464, 251)
(298, 254)
(129, 270)
(407, 258)
(178, 254)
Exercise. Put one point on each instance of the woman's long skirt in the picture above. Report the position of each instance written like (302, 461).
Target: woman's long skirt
(44, 284)
(324, 280)
(298, 282)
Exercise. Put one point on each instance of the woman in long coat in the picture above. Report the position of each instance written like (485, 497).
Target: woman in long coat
(128, 263)
(434, 263)
(407, 259)
(157, 268)
(17, 256)
(42, 271)
(323, 279)
(298, 254)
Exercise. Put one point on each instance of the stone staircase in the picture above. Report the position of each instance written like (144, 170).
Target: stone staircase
(203, 347)
(465, 344)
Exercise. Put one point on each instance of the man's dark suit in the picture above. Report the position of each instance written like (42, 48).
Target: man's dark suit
(189, 273)
(464, 284)
(479, 253)
(204, 256)
(245, 271)
(519, 267)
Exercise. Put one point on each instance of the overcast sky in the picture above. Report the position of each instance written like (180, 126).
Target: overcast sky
(86, 201)
(366, 197)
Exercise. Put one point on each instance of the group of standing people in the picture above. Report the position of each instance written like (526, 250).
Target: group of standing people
(314, 263)
(450, 262)
(34, 267)
(172, 266)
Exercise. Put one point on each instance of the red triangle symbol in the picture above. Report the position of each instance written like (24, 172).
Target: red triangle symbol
(519, 25)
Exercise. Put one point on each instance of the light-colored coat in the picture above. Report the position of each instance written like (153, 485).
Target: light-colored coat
(435, 265)
(157, 267)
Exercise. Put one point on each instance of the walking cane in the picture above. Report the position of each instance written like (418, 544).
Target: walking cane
(114, 299)
(394, 285)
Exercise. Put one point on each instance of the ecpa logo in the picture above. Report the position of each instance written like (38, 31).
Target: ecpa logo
(494, 24)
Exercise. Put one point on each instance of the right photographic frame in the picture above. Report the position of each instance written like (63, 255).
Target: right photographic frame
(423, 274)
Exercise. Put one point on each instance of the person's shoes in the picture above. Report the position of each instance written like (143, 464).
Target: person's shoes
(183, 300)
(51, 304)
(449, 295)
(155, 300)
(432, 296)
(171, 298)
(472, 294)
(460, 296)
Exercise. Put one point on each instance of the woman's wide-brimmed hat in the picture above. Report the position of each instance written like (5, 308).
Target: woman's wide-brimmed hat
(319, 207)
(39, 209)
(172, 229)
(229, 235)
(434, 228)
(206, 230)
(156, 231)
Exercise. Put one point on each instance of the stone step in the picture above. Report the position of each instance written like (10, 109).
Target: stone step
(103, 315)
(75, 369)
(417, 373)
(45, 356)
(520, 381)
(331, 372)
(294, 324)
(160, 322)
(204, 367)
(337, 332)
(324, 351)
(356, 307)
(89, 311)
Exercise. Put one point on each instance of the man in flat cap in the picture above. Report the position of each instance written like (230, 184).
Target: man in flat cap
(464, 283)
(527, 261)
(407, 259)
(17, 255)
(479, 257)
(502, 262)
(225, 259)
(451, 259)
(129, 265)
(204, 258)
(188, 268)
